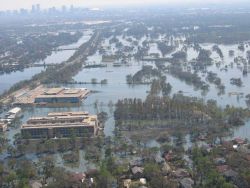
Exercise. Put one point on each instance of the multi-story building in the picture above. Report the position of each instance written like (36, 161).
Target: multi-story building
(59, 125)
(61, 95)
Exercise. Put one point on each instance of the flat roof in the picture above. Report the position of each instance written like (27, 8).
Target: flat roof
(66, 93)
(53, 91)
(72, 91)
(14, 110)
(67, 113)
(56, 125)
(56, 118)
(28, 96)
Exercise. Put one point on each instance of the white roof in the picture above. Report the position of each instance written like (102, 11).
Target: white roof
(15, 110)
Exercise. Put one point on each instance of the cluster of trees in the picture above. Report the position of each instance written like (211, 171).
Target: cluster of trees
(137, 30)
(164, 48)
(180, 56)
(61, 73)
(213, 78)
(217, 49)
(144, 76)
(236, 81)
(204, 58)
(179, 110)
(160, 86)
(205, 174)
(188, 77)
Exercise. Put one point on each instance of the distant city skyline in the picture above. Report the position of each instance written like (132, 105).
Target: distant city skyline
(27, 4)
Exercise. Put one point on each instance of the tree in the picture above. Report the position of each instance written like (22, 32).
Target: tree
(10, 179)
(47, 168)
(93, 81)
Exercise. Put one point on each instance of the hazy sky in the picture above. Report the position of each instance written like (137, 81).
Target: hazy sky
(16, 4)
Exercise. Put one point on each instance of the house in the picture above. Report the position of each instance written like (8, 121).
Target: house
(206, 147)
(127, 183)
(78, 177)
(186, 183)
(137, 172)
(222, 168)
(230, 174)
(239, 141)
(168, 156)
(166, 169)
(3, 127)
(219, 161)
(143, 181)
(35, 184)
(136, 162)
(180, 173)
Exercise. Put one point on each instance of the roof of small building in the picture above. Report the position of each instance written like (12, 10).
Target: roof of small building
(230, 173)
(186, 183)
(15, 110)
(126, 183)
(222, 168)
(35, 184)
(78, 176)
(180, 173)
(220, 160)
(137, 169)
(239, 141)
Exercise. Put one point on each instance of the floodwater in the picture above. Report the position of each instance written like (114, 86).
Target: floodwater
(8, 80)
(105, 96)
(59, 56)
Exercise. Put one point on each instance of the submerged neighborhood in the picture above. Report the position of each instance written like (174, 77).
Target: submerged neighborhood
(136, 97)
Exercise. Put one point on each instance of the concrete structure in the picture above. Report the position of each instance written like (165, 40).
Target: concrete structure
(3, 127)
(42, 95)
(13, 114)
(61, 95)
(58, 125)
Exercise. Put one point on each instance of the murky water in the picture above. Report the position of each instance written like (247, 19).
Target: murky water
(105, 96)
(8, 80)
(60, 56)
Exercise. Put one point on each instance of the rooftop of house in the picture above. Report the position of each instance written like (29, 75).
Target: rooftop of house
(137, 169)
(222, 168)
(181, 173)
(3, 125)
(186, 183)
(78, 177)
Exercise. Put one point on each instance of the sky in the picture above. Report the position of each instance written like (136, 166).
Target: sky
(17, 4)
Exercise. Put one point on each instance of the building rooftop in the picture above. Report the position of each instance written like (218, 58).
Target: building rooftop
(53, 91)
(56, 125)
(67, 114)
(72, 91)
(63, 92)
(27, 97)
(65, 119)
(14, 110)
